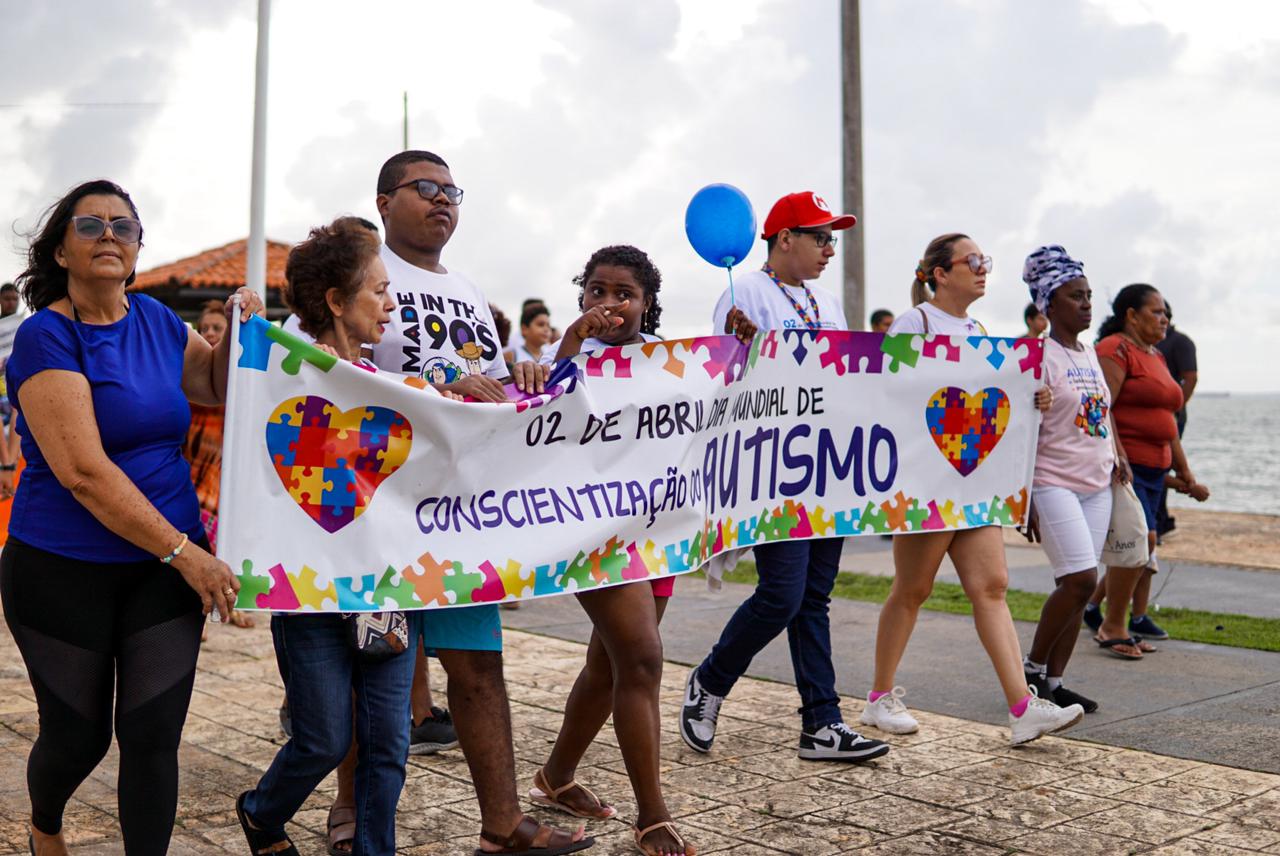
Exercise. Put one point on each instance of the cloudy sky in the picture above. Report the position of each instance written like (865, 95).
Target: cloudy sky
(1139, 133)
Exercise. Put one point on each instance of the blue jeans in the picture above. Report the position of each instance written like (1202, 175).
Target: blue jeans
(323, 671)
(796, 578)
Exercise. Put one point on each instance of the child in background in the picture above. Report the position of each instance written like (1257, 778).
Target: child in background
(619, 299)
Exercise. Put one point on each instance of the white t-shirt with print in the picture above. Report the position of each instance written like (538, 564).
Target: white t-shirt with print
(588, 346)
(940, 323)
(441, 328)
(765, 304)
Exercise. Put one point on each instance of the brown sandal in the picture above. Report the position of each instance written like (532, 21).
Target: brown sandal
(544, 795)
(670, 827)
(520, 842)
(341, 827)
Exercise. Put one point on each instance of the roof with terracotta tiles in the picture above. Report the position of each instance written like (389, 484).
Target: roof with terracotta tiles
(221, 267)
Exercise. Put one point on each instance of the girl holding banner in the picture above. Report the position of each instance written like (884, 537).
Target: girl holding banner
(106, 572)
(948, 280)
(619, 299)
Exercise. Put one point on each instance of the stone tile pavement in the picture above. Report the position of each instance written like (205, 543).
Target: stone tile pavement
(955, 787)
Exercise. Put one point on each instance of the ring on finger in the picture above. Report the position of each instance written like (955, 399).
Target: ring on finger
(229, 592)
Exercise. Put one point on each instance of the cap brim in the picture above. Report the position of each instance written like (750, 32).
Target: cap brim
(844, 221)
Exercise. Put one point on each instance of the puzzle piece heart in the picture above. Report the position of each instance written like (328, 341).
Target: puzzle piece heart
(332, 461)
(967, 427)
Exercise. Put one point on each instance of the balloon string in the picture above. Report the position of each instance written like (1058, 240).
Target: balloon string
(733, 301)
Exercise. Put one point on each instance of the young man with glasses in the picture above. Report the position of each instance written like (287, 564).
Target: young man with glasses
(795, 577)
(442, 330)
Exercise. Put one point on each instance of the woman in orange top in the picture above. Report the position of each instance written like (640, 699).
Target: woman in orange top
(1145, 397)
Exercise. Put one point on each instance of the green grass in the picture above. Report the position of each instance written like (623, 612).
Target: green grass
(1190, 625)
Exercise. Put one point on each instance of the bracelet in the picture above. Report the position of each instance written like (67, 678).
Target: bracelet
(177, 551)
(8, 468)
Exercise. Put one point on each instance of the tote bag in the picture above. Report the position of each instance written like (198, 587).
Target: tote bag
(1126, 545)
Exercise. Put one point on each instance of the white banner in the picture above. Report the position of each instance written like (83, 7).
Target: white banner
(346, 490)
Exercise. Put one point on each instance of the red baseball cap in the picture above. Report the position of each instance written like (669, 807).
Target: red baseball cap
(805, 210)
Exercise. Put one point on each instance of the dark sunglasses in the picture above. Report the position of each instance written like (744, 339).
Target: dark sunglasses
(126, 230)
(822, 239)
(976, 263)
(428, 189)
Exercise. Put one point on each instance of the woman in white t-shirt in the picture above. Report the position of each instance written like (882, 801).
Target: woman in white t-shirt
(623, 668)
(951, 277)
(1076, 462)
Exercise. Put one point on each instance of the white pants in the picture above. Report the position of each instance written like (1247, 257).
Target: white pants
(1073, 527)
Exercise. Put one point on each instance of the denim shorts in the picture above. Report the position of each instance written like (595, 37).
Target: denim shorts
(1148, 484)
(463, 628)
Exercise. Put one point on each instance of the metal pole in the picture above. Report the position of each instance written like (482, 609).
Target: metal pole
(256, 264)
(406, 121)
(855, 298)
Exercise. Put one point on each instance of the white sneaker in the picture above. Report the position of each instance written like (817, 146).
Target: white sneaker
(1040, 718)
(889, 714)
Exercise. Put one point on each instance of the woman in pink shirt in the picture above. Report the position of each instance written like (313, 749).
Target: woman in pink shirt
(1076, 462)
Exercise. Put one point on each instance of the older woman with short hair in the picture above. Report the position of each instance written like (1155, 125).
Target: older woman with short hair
(106, 574)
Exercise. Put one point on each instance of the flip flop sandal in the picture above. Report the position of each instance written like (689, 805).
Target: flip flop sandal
(1145, 647)
(520, 842)
(1109, 645)
(670, 827)
(341, 827)
(262, 842)
(544, 795)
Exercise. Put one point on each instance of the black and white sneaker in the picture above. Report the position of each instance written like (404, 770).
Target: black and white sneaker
(839, 742)
(434, 734)
(699, 714)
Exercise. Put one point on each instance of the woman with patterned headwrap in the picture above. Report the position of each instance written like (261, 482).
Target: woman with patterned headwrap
(1076, 462)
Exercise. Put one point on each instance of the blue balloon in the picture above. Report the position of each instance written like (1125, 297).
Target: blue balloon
(721, 224)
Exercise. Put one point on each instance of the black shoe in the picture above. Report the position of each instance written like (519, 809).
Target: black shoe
(1064, 697)
(1093, 617)
(1040, 684)
(434, 734)
(1145, 628)
(839, 742)
(276, 843)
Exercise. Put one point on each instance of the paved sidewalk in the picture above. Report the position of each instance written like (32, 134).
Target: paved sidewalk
(955, 787)
(1201, 702)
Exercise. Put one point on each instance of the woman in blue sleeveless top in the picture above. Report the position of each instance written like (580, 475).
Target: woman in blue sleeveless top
(106, 578)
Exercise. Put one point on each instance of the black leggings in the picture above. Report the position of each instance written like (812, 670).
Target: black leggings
(92, 633)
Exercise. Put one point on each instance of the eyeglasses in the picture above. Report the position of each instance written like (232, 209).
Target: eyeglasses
(822, 239)
(976, 263)
(126, 230)
(428, 189)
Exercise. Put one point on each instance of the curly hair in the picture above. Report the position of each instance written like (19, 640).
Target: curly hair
(45, 281)
(936, 255)
(333, 256)
(646, 274)
(1130, 297)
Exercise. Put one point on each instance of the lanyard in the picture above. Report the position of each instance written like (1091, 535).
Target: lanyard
(1091, 380)
(813, 323)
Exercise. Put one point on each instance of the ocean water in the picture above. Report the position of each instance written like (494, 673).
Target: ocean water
(1233, 446)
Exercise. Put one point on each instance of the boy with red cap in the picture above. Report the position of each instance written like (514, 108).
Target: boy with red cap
(795, 577)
